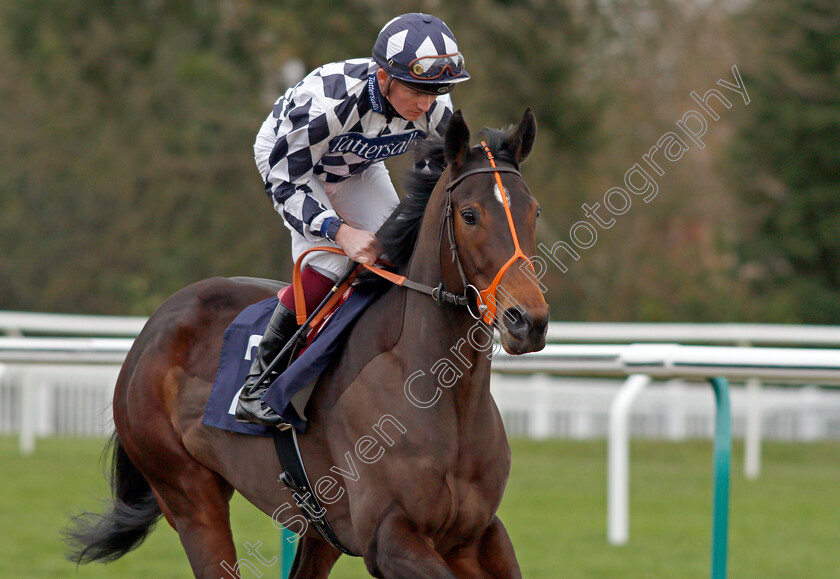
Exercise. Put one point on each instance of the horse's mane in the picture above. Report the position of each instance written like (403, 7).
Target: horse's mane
(398, 235)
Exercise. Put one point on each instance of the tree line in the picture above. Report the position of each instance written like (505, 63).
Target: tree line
(127, 170)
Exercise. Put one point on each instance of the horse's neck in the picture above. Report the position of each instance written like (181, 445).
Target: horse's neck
(444, 335)
(431, 251)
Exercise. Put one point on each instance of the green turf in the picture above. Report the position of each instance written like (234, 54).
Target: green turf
(786, 524)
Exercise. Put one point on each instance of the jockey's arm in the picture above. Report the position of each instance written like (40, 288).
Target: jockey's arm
(359, 245)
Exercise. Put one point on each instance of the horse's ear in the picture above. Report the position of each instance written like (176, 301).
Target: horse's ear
(521, 141)
(457, 141)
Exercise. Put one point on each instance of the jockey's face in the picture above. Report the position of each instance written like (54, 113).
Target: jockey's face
(409, 103)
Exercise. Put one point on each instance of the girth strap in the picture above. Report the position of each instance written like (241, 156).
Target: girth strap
(294, 476)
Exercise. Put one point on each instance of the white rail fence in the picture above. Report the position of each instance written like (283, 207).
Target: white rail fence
(542, 406)
(18, 324)
(58, 386)
(733, 334)
(576, 408)
(75, 401)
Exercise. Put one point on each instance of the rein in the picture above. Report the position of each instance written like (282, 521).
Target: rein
(437, 293)
(486, 298)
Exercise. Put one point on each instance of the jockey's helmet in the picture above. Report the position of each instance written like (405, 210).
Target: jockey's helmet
(420, 51)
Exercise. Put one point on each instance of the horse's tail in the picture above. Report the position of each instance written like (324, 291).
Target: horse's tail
(131, 514)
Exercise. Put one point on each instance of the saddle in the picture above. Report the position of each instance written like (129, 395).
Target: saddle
(291, 390)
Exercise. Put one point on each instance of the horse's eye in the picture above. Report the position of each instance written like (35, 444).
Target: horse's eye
(469, 216)
(538, 212)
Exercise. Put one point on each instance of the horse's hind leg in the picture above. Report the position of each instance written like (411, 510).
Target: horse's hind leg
(314, 558)
(199, 507)
(194, 499)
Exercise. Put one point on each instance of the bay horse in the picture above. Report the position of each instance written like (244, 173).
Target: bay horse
(403, 413)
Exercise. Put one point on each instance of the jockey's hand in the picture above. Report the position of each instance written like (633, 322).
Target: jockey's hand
(359, 245)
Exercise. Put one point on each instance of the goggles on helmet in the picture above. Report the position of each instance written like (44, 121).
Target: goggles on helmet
(434, 67)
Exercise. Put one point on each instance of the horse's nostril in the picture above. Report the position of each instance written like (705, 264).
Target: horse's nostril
(523, 324)
(515, 320)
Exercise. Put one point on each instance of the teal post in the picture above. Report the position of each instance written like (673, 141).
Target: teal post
(723, 455)
(287, 552)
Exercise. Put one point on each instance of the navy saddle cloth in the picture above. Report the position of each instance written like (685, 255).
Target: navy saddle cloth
(240, 344)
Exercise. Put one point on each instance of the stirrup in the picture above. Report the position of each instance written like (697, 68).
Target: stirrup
(265, 416)
(250, 408)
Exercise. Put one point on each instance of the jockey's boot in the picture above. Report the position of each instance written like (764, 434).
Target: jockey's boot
(250, 407)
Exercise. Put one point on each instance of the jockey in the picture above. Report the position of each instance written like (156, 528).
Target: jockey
(321, 152)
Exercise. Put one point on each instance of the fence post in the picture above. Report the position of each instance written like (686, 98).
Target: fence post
(541, 410)
(27, 412)
(752, 431)
(676, 426)
(618, 465)
(287, 552)
(722, 453)
(809, 403)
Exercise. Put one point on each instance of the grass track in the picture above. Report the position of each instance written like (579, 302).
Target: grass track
(784, 525)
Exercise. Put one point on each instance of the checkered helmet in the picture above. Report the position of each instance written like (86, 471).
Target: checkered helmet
(420, 51)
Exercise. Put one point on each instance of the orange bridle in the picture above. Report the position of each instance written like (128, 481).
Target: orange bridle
(487, 299)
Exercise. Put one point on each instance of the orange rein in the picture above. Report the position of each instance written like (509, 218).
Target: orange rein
(297, 286)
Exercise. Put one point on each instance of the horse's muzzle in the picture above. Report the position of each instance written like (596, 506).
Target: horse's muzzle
(523, 331)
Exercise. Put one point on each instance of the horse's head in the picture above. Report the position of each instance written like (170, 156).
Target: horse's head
(493, 225)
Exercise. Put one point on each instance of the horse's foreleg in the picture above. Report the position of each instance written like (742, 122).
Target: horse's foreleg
(314, 558)
(398, 549)
(491, 556)
(495, 552)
